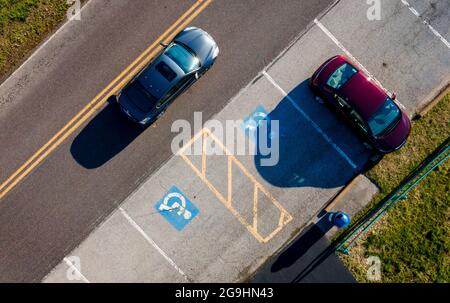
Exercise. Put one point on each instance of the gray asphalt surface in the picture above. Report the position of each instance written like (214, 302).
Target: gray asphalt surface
(49, 213)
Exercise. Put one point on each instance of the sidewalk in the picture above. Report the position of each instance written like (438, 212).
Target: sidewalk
(310, 258)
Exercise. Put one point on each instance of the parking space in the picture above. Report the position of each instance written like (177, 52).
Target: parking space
(434, 12)
(116, 246)
(217, 218)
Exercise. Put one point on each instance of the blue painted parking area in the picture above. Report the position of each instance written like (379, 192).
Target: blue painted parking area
(176, 208)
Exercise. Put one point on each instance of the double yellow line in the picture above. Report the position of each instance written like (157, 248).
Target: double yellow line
(112, 88)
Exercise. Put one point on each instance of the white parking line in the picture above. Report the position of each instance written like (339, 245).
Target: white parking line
(305, 115)
(149, 240)
(349, 55)
(433, 30)
(74, 268)
(352, 58)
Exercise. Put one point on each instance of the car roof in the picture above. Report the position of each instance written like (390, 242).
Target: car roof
(155, 82)
(363, 94)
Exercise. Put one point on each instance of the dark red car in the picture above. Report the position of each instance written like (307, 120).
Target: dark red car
(367, 107)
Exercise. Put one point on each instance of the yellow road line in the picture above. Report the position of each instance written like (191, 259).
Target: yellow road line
(230, 182)
(90, 104)
(102, 97)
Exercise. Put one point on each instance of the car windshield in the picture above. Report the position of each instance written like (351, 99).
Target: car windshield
(341, 76)
(384, 118)
(184, 58)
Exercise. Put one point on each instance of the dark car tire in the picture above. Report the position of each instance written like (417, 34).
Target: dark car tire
(368, 146)
(204, 71)
(318, 96)
(207, 69)
(313, 88)
(160, 115)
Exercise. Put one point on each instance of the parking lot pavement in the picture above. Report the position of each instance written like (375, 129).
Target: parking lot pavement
(436, 13)
(115, 246)
(246, 211)
(234, 213)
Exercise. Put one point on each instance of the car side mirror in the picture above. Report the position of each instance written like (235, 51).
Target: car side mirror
(394, 96)
(196, 76)
(163, 44)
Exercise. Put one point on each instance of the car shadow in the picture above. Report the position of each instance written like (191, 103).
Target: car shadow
(106, 135)
(303, 243)
(310, 258)
(305, 156)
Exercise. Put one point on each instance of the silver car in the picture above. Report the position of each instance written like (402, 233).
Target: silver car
(183, 61)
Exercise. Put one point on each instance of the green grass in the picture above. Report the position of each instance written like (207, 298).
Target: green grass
(413, 238)
(23, 25)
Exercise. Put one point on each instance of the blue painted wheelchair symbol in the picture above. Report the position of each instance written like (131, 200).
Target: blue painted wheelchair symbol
(176, 208)
(252, 122)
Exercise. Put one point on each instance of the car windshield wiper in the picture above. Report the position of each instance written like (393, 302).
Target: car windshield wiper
(390, 127)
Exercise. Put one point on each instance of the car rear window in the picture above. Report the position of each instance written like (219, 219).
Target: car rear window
(341, 76)
(140, 96)
(166, 71)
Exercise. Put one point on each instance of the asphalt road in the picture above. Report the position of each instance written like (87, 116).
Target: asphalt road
(51, 211)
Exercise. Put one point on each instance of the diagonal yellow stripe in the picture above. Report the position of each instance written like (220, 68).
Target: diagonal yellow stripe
(101, 98)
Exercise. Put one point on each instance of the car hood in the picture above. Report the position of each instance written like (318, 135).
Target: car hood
(396, 138)
(199, 41)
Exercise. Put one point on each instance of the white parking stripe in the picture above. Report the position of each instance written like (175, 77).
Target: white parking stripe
(305, 115)
(349, 55)
(149, 240)
(433, 30)
(74, 268)
(352, 58)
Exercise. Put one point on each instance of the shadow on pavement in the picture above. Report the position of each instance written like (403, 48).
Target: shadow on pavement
(305, 157)
(310, 258)
(303, 243)
(104, 137)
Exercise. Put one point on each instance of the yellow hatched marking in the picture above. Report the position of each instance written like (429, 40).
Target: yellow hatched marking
(255, 207)
(285, 217)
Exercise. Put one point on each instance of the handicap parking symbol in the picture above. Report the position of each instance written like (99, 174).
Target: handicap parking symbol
(176, 208)
(251, 123)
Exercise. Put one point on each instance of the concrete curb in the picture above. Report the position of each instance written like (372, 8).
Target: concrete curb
(432, 99)
(341, 194)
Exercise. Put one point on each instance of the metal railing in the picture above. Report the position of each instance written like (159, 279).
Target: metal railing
(349, 238)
